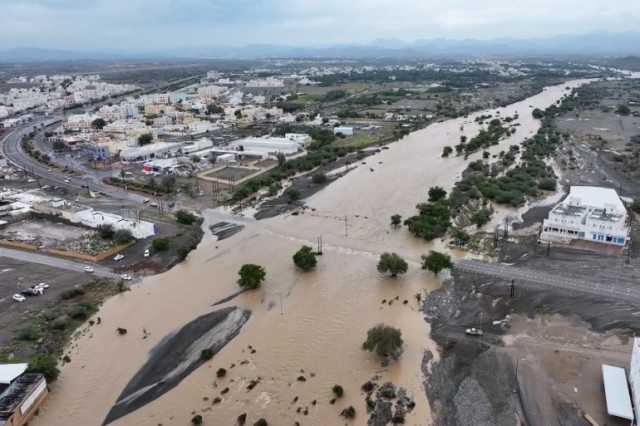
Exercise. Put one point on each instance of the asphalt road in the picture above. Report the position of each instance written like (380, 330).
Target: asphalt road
(12, 150)
(56, 262)
(619, 287)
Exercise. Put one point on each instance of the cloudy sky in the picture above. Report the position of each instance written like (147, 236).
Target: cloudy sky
(153, 24)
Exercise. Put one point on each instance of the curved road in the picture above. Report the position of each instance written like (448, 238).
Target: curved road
(12, 150)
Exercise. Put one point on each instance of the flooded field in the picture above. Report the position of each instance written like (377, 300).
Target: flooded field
(306, 330)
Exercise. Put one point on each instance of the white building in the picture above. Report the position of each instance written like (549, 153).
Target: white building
(267, 145)
(343, 130)
(300, 138)
(93, 219)
(150, 152)
(588, 213)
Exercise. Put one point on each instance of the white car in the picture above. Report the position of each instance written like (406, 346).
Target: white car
(147, 253)
(89, 269)
(42, 285)
(474, 331)
(19, 298)
(126, 277)
(118, 257)
(67, 181)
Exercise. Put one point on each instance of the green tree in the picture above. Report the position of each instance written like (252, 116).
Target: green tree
(145, 139)
(185, 217)
(214, 109)
(99, 123)
(481, 217)
(436, 193)
(538, 113)
(46, 365)
(396, 220)
(123, 236)
(386, 342)
(106, 231)
(446, 151)
(436, 262)
(623, 110)
(251, 276)
(393, 264)
(305, 258)
(160, 244)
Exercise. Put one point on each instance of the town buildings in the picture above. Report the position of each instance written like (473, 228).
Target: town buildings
(588, 213)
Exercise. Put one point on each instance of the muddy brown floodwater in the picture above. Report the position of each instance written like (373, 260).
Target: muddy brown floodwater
(309, 325)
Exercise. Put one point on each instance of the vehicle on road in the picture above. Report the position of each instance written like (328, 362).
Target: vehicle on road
(118, 257)
(126, 277)
(474, 331)
(89, 269)
(67, 181)
(147, 253)
(42, 285)
(19, 298)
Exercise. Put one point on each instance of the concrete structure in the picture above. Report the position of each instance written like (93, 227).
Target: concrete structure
(588, 213)
(267, 145)
(150, 152)
(93, 219)
(343, 130)
(21, 394)
(617, 392)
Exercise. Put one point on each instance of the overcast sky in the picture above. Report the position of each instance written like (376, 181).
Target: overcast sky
(153, 24)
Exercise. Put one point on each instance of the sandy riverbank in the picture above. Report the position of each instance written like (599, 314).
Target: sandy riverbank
(309, 325)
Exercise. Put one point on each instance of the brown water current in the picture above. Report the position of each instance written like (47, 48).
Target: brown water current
(302, 324)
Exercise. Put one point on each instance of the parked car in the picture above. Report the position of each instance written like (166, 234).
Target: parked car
(42, 285)
(118, 257)
(19, 298)
(474, 331)
(126, 277)
(147, 253)
(89, 269)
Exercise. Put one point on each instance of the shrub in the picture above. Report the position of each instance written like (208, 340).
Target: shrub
(145, 139)
(305, 258)
(319, 178)
(386, 342)
(30, 333)
(436, 193)
(392, 263)
(123, 236)
(196, 420)
(436, 262)
(79, 312)
(396, 220)
(106, 232)
(293, 195)
(338, 391)
(349, 412)
(71, 293)
(481, 217)
(251, 276)
(221, 373)
(623, 110)
(46, 365)
(206, 354)
(185, 217)
(160, 244)
(547, 184)
(446, 151)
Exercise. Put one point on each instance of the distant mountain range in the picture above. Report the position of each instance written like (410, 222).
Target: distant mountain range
(594, 44)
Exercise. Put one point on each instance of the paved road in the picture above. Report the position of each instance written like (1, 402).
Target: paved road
(12, 149)
(55, 262)
(620, 288)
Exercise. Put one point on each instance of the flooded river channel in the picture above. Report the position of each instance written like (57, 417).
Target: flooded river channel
(309, 325)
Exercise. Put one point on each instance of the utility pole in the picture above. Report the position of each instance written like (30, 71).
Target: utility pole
(346, 227)
(319, 250)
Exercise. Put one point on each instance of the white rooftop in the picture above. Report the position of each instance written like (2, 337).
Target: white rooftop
(9, 372)
(595, 196)
(616, 392)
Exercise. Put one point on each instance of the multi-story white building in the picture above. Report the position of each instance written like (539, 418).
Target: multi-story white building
(588, 213)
